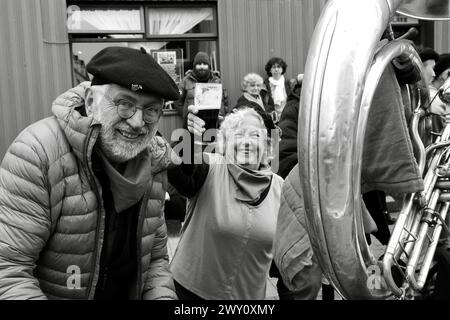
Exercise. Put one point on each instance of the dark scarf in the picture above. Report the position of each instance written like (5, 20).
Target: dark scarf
(251, 184)
(128, 188)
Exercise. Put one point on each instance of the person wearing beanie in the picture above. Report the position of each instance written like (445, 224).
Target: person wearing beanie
(429, 58)
(441, 70)
(201, 73)
(81, 207)
(439, 109)
(202, 67)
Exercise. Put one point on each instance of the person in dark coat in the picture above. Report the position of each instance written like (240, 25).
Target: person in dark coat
(288, 125)
(287, 161)
(201, 73)
(437, 109)
(442, 72)
(254, 94)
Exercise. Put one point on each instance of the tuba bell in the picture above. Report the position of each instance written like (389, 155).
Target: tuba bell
(343, 68)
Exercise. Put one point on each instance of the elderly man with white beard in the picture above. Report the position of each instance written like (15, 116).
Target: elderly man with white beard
(82, 192)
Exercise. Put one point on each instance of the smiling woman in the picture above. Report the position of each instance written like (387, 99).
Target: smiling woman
(245, 139)
(225, 251)
(255, 95)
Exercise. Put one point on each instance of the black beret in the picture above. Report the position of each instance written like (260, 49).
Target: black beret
(442, 64)
(133, 69)
(428, 54)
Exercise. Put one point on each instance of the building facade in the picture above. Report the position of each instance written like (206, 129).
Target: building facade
(46, 44)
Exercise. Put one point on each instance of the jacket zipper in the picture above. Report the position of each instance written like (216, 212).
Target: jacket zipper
(141, 217)
(99, 210)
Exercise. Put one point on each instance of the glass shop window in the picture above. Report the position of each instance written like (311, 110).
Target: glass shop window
(105, 20)
(172, 34)
(172, 21)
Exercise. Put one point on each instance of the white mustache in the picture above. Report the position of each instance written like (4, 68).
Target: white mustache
(130, 130)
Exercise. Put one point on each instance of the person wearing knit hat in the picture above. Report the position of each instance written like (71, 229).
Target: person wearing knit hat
(200, 73)
(442, 70)
(428, 54)
(437, 106)
(429, 58)
(202, 67)
(201, 57)
(83, 190)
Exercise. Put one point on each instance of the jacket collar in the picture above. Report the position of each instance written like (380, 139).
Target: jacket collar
(68, 109)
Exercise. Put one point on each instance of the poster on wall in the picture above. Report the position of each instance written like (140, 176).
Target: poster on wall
(172, 62)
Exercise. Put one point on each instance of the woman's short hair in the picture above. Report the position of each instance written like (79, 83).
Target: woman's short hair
(234, 119)
(250, 78)
(275, 60)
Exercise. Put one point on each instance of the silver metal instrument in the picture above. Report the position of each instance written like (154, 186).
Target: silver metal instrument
(343, 68)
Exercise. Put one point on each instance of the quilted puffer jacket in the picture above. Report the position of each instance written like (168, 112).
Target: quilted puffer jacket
(52, 218)
(293, 254)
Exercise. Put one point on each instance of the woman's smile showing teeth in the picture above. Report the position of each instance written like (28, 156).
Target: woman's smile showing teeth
(245, 150)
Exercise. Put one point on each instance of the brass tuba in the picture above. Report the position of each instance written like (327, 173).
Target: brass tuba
(343, 68)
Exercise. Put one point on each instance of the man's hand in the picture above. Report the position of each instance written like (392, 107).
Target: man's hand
(195, 124)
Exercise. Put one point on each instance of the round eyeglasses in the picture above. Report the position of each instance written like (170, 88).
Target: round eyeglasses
(127, 109)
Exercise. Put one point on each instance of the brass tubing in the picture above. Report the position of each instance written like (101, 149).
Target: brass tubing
(393, 247)
(444, 197)
(413, 230)
(443, 184)
(432, 247)
(423, 230)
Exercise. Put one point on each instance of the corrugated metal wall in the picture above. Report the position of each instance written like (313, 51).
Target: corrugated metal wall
(34, 62)
(35, 57)
(253, 31)
(442, 36)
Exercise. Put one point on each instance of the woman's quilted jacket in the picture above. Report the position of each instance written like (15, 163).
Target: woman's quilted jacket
(52, 218)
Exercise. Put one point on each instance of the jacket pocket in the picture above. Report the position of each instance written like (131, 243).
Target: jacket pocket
(294, 260)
